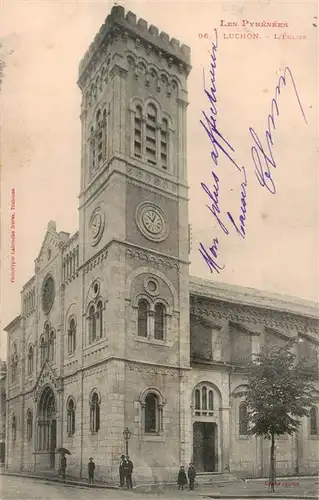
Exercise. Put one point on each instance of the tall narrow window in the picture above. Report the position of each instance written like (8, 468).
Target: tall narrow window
(159, 322)
(204, 398)
(164, 144)
(70, 417)
(43, 349)
(99, 316)
(29, 425)
(151, 409)
(95, 413)
(151, 135)
(197, 401)
(51, 350)
(93, 150)
(313, 421)
(92, 324)
(14, 427)
(142, 320)
(14, 364)
(104, 123)
(71, 336)
(210, 401)
(30, 360)
(243, 419)
(138, 132)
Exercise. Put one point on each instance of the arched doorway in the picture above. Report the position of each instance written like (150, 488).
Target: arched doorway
(206, 428)
(47, 424)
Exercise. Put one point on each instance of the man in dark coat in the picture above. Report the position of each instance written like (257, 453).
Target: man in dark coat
(191, 476)
(181, 478)
(91, 467)
(121, 470)
(128, 471)
(63, 466)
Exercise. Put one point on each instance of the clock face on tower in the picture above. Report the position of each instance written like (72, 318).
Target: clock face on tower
(96, 225)
(152, 221)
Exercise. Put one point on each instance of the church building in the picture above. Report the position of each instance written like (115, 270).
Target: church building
(114, 333)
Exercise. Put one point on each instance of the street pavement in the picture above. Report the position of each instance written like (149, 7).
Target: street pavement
(16, 488)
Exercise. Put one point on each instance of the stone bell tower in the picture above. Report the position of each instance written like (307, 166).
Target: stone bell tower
(134, 226)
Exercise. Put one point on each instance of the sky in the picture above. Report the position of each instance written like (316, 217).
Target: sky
(40, 139)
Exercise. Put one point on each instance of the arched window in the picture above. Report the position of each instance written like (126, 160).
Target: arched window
(159, 322)
(313, 421)
(142, 318)
(71, 336)
(14, 368)
(151, 404)
(152, 408)
(151, 135)
(92, 324)
(104, 122)
(14, 427)
(243, 419)
(30, 360)
(70, 417)
(51, 349)
(29, 425)
(43, 349)
(99, 316)
(95, 412)
(93, 149)
(164, 144)
(203, 400)
(138, 132)
(197, 399)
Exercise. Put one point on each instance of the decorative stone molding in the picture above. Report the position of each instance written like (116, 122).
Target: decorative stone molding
(94, 370)
(46, 377)
(250, 314)
(151, 258)
(91, 264)
(151, 179)
(150, 369)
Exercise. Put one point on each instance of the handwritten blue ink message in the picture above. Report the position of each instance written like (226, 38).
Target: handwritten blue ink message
(220, 146)
(263, 160)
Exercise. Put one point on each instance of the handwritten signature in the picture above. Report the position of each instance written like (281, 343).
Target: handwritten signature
(219, 145)
(263, 158)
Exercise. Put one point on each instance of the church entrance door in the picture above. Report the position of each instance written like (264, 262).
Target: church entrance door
(204, 446)
(47, 427)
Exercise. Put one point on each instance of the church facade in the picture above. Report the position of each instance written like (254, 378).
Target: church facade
(113, 333)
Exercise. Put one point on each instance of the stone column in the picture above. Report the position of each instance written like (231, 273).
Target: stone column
(225, 438)
(185, 419)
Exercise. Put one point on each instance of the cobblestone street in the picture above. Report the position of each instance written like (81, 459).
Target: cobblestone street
(15, 488)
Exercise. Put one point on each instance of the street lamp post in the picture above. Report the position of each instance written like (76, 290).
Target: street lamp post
(127, 436)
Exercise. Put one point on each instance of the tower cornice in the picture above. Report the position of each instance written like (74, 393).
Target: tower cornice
(120, 26)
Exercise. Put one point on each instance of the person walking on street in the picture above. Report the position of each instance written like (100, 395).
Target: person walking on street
(91, 467)
(128, 471)
(191, 476)
(121, 470)
(181, 479)
(63, 466)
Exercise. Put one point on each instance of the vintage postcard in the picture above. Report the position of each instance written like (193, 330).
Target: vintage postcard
(159, 229)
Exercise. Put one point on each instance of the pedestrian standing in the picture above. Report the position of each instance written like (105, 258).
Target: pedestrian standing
(181, 478)
(191, 476)
(91, 467)
(121, 470)
(128, 471)
(63, 466)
